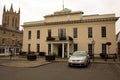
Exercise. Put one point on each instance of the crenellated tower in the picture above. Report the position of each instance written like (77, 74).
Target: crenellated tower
(11, 18)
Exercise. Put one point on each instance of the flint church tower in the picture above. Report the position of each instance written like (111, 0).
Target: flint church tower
(11, 18)
(10, 35)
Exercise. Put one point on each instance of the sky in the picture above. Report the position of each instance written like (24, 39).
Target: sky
(35, 10)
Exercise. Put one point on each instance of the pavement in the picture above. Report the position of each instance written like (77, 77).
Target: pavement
(18, 61)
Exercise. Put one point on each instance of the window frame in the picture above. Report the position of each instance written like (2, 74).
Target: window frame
(104, 48)
(38, 34)
(90, 48)
(49, 32)
(103, 31)
(75, 32)
(29, 34)
(61, 32)
(38, 48)
(90, 32)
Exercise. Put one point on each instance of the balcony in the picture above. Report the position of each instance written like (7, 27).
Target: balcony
(57, 38)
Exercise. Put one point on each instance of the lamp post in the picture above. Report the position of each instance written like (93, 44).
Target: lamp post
(93, 43)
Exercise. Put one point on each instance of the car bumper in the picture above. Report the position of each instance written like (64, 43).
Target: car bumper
(77, 64)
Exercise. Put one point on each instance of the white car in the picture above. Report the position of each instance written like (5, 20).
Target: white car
(79, 58)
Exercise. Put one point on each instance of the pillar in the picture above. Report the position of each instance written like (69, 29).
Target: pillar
(63, 50)
(47, 49)
(68, 50)
(51, 48)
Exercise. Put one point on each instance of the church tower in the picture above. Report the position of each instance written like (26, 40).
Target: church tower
(11, 18)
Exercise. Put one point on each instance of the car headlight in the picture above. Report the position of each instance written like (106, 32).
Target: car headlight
(69, 60)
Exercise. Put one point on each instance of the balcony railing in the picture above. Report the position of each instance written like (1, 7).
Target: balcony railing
(57, 38)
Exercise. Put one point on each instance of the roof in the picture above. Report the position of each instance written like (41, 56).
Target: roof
(64, 12)
(72, 21)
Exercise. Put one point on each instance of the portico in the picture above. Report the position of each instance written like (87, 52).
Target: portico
(61, 48)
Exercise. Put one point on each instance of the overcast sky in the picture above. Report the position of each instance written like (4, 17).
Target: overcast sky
(34, 10)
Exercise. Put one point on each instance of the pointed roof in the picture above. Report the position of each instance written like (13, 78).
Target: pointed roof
(11, 9)
(19, 11)
(4, 9)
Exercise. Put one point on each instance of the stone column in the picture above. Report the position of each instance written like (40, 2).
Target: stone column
(47, 49)
(51, 48)
(68, 50)
(63, 50)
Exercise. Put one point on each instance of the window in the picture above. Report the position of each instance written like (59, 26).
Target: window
(2, 50)
(103, 31)
(3, 41)
(29, 34)
(49, 32)
(90, 48)
(90, 32)
(38, 34)
(29, 47)
(38, 47)
(104, 48)
(75, 47)
(75, 32)
(61, 32)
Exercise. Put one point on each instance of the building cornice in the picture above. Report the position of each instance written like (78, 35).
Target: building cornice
(7, 29)
(73, 21)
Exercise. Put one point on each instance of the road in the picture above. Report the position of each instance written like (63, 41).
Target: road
(60, 71)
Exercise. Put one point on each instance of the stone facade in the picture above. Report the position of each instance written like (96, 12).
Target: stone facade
(65, 31)
(10, 35)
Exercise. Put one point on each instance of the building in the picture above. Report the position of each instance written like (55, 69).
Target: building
(118, 44)
(65, 31)
(10, 35)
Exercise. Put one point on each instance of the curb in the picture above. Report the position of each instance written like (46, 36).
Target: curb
(25, 66)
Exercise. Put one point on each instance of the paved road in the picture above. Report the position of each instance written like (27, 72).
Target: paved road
(60, 71)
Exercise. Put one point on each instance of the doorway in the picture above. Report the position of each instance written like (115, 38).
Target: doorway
(60, 50)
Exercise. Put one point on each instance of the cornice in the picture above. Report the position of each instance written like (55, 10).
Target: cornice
(4, 28)
(73, 21)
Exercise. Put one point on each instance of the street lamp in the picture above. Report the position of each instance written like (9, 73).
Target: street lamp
(93, 43)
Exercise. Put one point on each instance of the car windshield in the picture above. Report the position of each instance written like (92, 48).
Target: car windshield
(79, 53)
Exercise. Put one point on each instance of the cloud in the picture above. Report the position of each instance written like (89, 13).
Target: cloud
(36, 9)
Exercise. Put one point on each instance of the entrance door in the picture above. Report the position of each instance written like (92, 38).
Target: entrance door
(60, 50)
